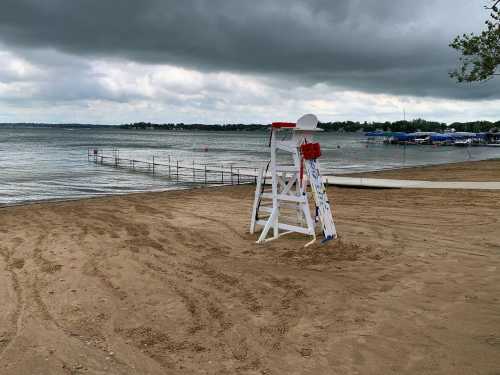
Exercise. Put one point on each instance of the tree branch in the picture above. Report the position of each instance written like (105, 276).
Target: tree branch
(493, 6)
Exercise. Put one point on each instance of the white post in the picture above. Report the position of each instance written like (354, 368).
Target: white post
(274, 173)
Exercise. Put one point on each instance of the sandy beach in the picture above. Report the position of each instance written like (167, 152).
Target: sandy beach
(173, 283)
(484, 170)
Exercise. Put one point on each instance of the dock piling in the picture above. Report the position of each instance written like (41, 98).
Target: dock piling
(207, 173)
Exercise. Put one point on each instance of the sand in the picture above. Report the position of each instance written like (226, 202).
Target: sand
(484, 170)
(172, 283)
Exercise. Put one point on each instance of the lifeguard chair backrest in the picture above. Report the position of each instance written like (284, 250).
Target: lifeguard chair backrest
(307, 122)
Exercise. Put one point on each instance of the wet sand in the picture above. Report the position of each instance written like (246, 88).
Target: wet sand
(173, 283)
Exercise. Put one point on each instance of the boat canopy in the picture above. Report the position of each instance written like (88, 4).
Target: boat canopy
(422, 134)
(439, 137)
(442, 137)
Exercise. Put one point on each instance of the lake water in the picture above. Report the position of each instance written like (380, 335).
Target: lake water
(44, 163)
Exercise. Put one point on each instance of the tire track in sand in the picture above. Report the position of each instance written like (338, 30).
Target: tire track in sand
(16, 319)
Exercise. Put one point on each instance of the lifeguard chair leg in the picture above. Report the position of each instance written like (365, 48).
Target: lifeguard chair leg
(258, 193)
(270, 221)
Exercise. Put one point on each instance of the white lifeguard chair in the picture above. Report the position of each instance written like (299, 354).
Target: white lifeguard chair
(293, 166)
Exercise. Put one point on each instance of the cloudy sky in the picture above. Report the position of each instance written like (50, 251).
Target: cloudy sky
(111, 62)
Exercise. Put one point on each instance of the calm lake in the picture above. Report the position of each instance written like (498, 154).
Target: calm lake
(47, 163)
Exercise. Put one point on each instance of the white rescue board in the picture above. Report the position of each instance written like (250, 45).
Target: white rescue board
(321, 199)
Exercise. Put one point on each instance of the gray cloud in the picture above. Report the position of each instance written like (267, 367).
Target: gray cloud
(372, 45)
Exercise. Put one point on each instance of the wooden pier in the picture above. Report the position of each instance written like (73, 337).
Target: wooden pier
(181, 172)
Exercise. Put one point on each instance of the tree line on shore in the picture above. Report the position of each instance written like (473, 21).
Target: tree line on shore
(343, 126)
(338, 126)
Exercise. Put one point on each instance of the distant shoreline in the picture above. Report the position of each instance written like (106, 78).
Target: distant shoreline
(339, 126)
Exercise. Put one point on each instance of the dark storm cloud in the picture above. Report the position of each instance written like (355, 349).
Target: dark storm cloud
(387, 46)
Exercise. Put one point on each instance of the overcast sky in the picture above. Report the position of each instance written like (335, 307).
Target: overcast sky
(111, 62)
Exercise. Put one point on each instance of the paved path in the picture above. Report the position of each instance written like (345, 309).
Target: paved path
(409, 184)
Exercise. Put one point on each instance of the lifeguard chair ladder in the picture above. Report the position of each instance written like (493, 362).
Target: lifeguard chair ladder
(289, 186)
